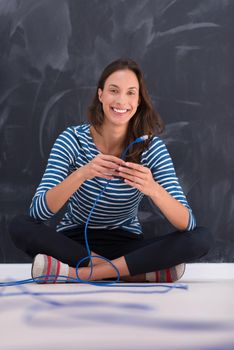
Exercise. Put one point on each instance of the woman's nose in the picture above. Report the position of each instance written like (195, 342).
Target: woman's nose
(121, 99)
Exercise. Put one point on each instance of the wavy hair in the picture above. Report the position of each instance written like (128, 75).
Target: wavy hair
(146, 120)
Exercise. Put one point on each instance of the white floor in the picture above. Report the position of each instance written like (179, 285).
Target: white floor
(196, 314)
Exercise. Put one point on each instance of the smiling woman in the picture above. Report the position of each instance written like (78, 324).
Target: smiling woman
(81, 161)
(122, 99)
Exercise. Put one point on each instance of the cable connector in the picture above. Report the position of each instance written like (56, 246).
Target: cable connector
(141, 138)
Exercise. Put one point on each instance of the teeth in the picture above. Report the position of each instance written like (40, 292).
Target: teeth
(120, 110)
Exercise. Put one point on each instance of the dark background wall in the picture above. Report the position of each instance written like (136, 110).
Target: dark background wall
(51, 55)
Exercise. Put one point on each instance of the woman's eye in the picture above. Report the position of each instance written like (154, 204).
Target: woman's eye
(131, 93)
(113, 91)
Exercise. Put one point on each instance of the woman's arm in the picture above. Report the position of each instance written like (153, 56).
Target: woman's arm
(59, 165)
(141, 178)
(62, 178)
(168, 194)
(102, 166)
(57, 196)
(157, 179)
(175, 212)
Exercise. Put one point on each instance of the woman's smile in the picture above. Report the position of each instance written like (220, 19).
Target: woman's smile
(119, 111)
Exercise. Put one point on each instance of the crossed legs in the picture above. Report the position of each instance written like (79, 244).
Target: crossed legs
(133, 257)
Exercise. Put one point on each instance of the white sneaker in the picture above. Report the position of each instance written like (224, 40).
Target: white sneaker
(169, 275)
(46, 269)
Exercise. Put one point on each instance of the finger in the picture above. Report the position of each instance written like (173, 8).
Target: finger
(109, 165)
(113, 159)
(104, 175)
(104, 171)
(134, 179)
(123, 171)
(133, 184)
(135, 166)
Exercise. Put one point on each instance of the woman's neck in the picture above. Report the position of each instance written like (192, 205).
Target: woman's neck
(109, 140)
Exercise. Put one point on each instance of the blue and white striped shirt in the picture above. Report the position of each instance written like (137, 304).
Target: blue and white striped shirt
(118, 205)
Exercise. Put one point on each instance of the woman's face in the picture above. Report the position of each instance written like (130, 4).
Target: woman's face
(120, 96)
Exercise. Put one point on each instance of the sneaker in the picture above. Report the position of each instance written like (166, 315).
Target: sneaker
(166, 276)
(46, 269)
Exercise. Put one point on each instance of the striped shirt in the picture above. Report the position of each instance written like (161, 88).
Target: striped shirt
(118, 205)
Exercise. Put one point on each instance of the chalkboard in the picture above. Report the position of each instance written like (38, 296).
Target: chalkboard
(51, 55)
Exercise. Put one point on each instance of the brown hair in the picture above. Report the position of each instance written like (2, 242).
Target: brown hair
(146, 121)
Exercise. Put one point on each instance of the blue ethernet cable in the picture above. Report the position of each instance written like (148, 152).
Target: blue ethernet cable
(89, 256)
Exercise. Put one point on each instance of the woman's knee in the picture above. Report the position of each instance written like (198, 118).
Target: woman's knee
(201, 241)
(19, 227)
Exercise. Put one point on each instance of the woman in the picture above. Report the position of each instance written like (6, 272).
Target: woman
(82, 160)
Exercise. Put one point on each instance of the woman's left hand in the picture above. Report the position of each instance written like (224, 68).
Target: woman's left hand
(138, 176)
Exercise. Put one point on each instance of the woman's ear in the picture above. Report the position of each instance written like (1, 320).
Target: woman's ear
(100, 94)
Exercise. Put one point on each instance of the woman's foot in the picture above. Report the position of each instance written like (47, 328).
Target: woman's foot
(46, 269)
(169, 275)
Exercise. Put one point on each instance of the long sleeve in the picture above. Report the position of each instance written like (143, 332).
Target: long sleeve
(60, 163)
(159, 161)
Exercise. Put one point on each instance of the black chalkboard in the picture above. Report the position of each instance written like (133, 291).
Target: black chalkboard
(51, 55)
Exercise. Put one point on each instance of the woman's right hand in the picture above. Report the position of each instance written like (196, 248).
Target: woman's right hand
(102, 165)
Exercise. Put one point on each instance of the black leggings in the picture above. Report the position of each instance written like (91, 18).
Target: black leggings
(141, 254)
